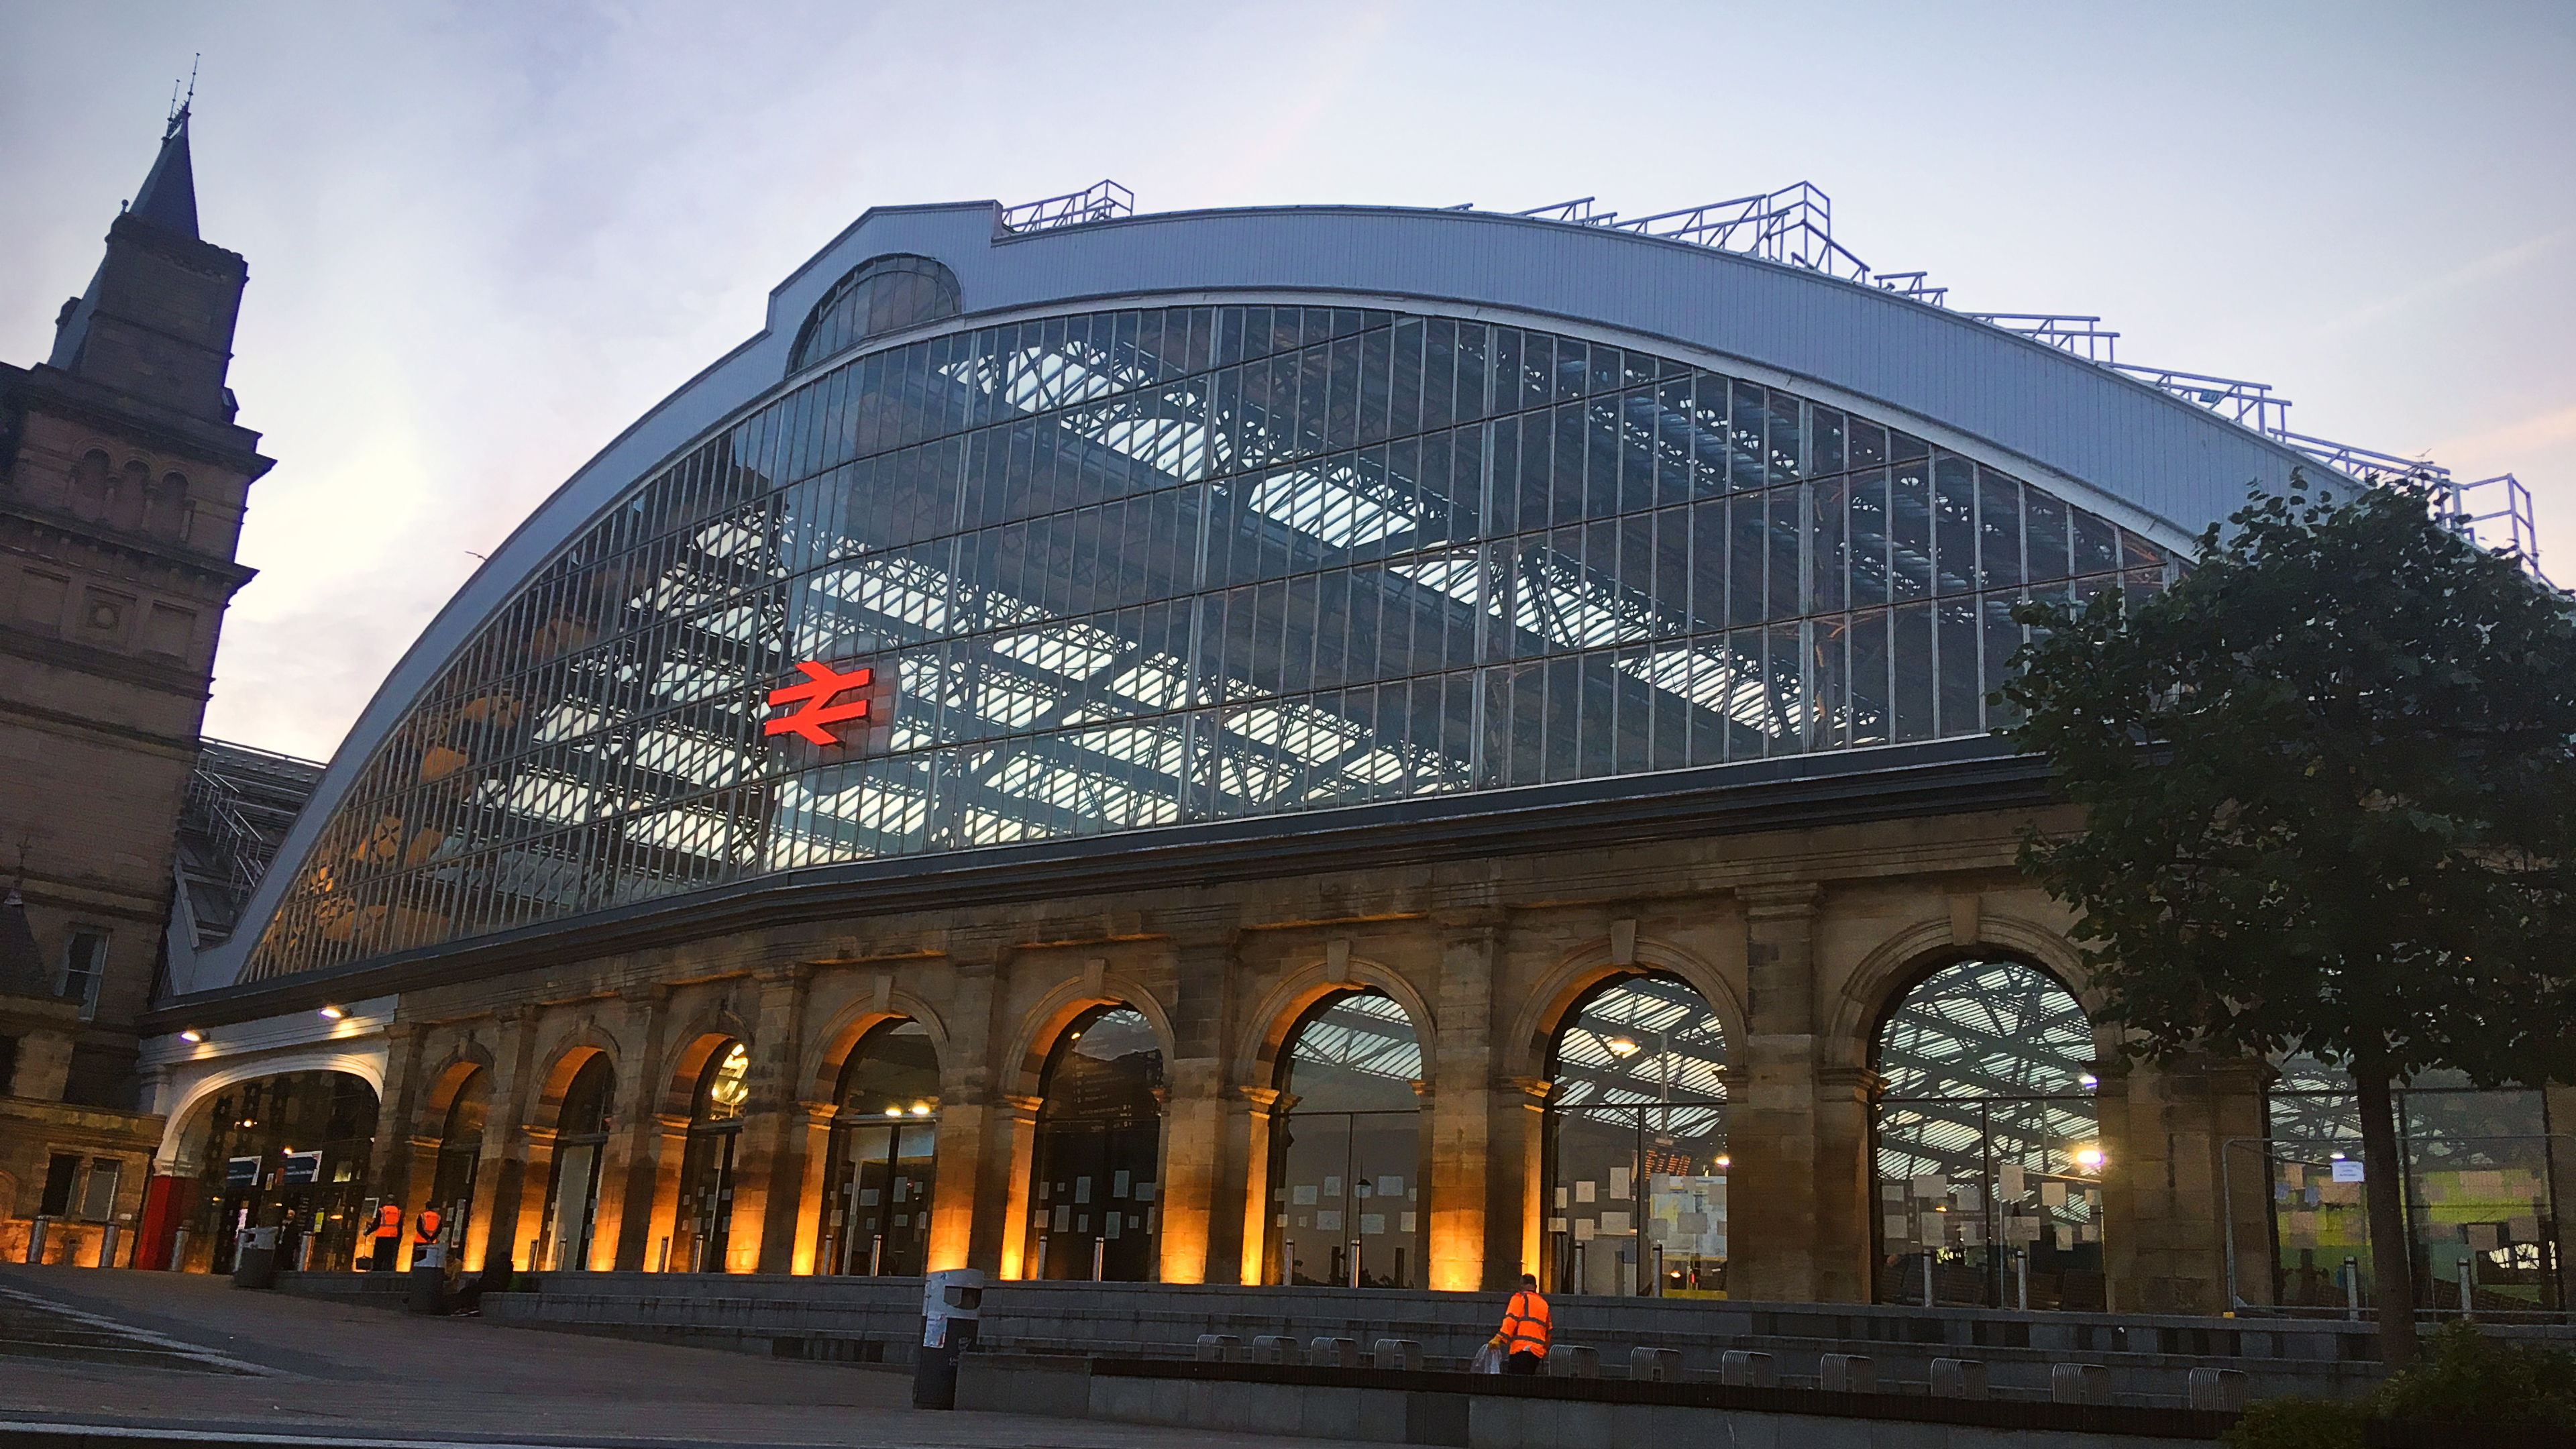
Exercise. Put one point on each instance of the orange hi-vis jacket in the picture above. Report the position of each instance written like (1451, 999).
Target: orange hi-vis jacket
(389, 1220)
(1526, 1323)
(425, 1229)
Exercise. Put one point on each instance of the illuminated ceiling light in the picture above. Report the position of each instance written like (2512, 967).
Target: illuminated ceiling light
(2090, 1080)
(894, 1111)
(2337, 1156)
(921, 1109)
(1622, 1047)
(2088, 1157)
(192, 1035)
(331, 1013)
(1724, 1160)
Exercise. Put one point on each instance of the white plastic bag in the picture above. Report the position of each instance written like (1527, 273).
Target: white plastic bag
(1489, 1360)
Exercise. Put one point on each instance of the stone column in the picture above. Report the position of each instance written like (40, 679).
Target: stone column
(1516, 1203)
(812, 1128)
(970, 1214)
(1247, 1134)
(1475, 1229)
(1194, 1233)
(537, 1181)
(396, 1160)
(1009, 1146)
(502, 1172)
(769, 1165)
(627, 1176)
(1798, 1188)
(2172, 1189)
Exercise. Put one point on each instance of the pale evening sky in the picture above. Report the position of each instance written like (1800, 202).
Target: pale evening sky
(484, 238)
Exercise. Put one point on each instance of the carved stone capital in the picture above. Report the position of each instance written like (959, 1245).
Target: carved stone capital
(1535, 1088)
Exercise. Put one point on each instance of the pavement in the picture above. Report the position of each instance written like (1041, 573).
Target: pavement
(188, 1354)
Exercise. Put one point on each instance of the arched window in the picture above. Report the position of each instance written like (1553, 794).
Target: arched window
(885, 294)
(877, 1189)
(1346, 1149)
(289, 1151)
(581, 1139)
(1989, 1151)
(1636, 1143)
(1099, 1147)
(706, 1171)
(460, 1153)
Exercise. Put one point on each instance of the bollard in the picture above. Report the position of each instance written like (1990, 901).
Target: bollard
(1399, 1353)
(1217, 1347)
(1958, 1378)
(1846, 1373)
(1334, 1353)
(36, 1239)
(255, 1260)
(107, 1246)
(2352, 1290)
(1573, 1361)
(2221, 1389)
(1277, 1348)
(2079, 1383)
(1654, 1365)
(179, 1251)
(1745, 1368)
(952, 1307)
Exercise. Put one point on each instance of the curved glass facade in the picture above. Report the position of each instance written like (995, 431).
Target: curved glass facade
(1136, 568)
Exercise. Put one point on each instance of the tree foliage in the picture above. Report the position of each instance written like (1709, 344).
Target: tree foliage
(2329, 779)
(2329, 784)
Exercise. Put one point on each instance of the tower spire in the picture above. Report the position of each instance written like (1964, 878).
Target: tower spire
(169, 195)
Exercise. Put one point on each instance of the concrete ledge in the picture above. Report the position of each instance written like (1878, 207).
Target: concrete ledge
(1480, 1411)
(368, 1290)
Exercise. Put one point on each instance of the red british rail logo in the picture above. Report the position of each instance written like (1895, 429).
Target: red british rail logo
(818, 713)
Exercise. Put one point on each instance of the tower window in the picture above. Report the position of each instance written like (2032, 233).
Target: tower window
(84, 967)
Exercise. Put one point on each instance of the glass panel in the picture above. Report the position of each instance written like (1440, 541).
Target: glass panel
(1095, 559)
(1093, 1211)
(1989, 1162)
(1636, 1145)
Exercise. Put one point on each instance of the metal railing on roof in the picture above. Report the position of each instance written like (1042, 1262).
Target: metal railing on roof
(1101, 201)
(1794, 226)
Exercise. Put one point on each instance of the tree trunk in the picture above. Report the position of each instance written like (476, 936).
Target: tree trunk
(2392, 1257)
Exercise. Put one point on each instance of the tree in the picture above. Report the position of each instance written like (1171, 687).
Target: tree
(2329, 784)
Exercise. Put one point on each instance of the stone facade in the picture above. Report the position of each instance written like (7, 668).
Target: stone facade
(1799, 940)
(122, 482)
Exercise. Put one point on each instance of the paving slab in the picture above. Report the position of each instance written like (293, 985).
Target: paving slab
(128, 1351)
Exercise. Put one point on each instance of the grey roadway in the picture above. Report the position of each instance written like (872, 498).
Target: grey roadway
(175, 1351)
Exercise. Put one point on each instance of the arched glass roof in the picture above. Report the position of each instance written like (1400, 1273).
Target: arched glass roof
(1125, 569)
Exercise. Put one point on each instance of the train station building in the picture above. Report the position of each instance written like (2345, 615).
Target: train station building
(1371, 747)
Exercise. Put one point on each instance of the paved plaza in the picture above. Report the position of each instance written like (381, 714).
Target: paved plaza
(176, 1351)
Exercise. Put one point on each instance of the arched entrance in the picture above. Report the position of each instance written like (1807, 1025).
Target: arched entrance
(1098, 1153)
(1636, 1143)
(1989, 1158)
(883, 1167)
(1346, 1150)
(706, 1170)
(460, 1155)
(581, 1139)
(288, 1151)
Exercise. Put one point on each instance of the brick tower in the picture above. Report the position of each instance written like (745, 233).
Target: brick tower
(122, 479)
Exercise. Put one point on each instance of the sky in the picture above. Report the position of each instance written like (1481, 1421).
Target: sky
(484, 238)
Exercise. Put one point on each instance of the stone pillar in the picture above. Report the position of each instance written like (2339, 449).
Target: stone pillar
(2173, 1191)
(627, 1176)
(1247, 1134)
(667, 1155)
(536, 1186)
(395, 1160)
(1845, 1180)
(811, 1125)
(1475, 1228)
(1798, 1188)
(971, 1222)
(1194, 1233)
(1009, 1153)
(1516, 1206)
(500, 1175)
(769, 1162)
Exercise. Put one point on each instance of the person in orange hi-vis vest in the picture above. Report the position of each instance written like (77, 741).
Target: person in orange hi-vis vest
(424, 1230)
(1526, 1322)
(389, 1219)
